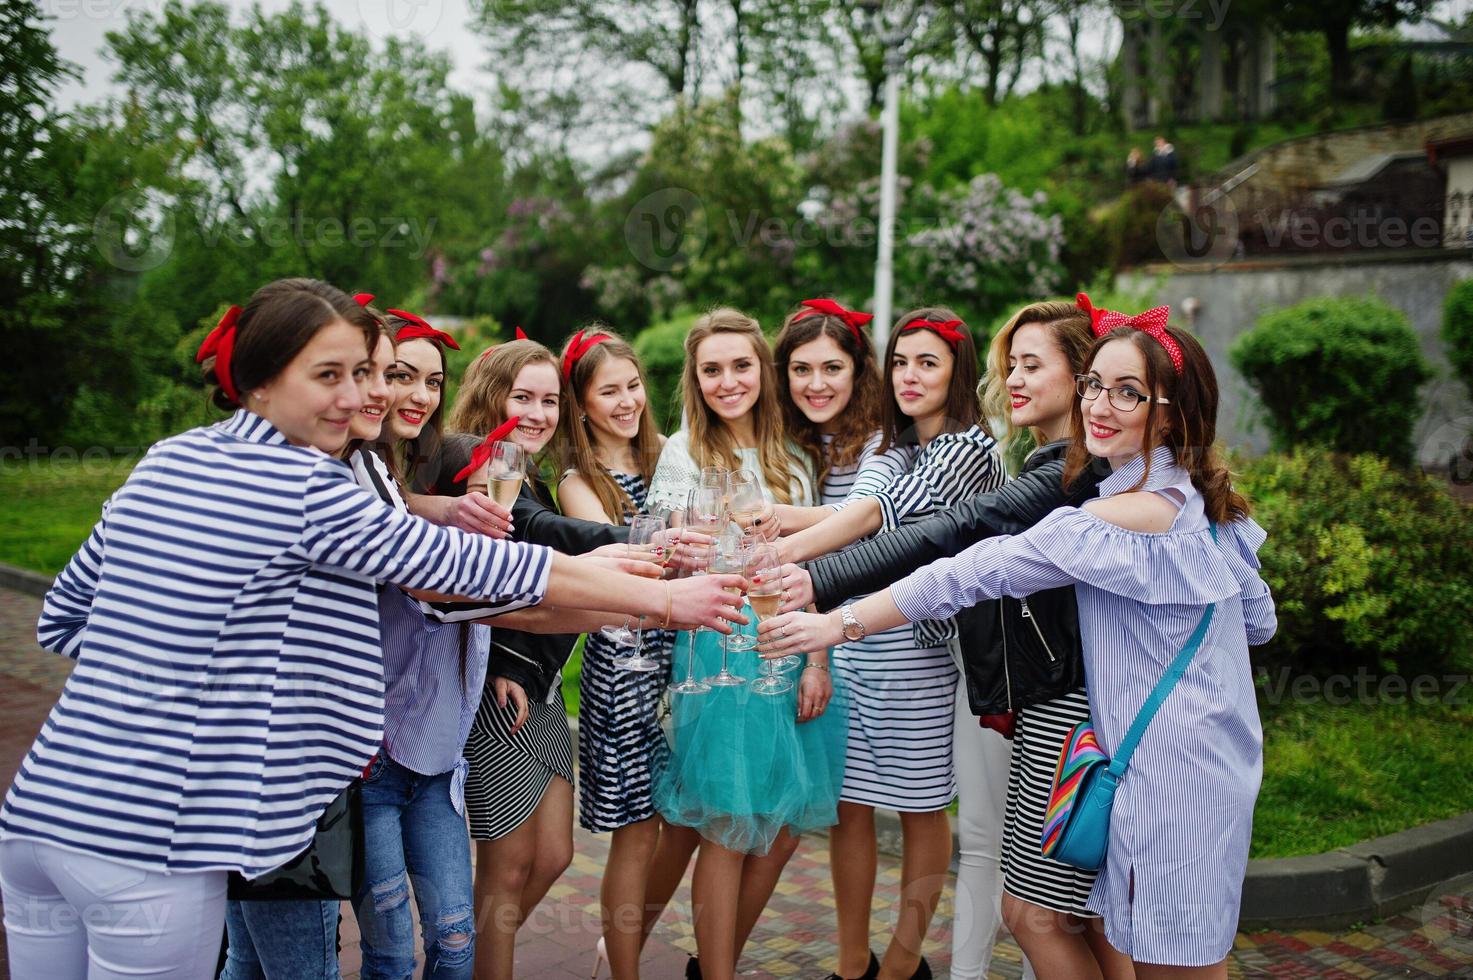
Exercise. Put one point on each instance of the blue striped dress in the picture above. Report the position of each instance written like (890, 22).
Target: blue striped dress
(902, 682)
(620, 744)
(229, 680)
(1183, 816)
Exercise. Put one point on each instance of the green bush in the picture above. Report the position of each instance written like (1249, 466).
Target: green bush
(662, 349)
(1336, 372)
(1370, 565)
(1457, 331)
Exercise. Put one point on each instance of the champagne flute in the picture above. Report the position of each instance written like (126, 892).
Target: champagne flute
(714, 477)
(739, 546)
(744, 498)
(726, 564)
(706, 513)
(643, 531)
(766, 598)
(505, 471)
(623, 636)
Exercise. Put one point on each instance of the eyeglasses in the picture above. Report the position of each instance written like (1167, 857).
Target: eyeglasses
(1123, 397)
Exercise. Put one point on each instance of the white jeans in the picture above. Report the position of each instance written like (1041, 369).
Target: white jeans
(72, 916)
(981, 757)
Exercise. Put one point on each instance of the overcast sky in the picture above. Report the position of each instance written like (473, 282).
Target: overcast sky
(78, 28)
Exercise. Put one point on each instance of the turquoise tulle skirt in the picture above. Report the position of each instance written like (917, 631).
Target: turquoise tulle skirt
(740, 767)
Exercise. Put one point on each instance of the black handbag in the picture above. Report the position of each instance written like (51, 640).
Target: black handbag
(330, 868)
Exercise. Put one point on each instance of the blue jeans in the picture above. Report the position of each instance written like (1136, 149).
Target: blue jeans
(281, 941)
(413, 834)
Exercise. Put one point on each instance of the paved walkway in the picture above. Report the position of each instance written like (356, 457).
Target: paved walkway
(794, 937)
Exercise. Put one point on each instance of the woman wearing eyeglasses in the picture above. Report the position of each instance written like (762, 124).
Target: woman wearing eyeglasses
(1168, 546)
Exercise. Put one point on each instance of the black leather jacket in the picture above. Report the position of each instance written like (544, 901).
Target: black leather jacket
(1014, 652)
(531, 659)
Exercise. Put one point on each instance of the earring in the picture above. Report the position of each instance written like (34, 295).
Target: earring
(583, 418)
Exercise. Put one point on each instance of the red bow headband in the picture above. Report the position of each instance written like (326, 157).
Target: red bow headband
(579, 346)
(481, 455)
(948, 330)
(220, 344)
(417, 329)
(853, 319)
(363, 299)
(520, 335)
(1151, 323)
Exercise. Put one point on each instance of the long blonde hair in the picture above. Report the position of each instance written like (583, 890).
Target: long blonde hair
(646, 442)
(711, 442)
(1070, 328)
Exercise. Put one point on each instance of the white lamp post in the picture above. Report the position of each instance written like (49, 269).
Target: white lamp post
(894, 41)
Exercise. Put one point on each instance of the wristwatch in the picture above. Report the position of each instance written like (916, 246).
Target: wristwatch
(853, 628)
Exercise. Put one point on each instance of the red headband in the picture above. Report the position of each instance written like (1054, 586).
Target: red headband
(520, 335)
(220, 344)
(853, 319)
(1152, 323)
(947, 330)
(417, 329)
(579, 346)
(363, 299)
(481, 455)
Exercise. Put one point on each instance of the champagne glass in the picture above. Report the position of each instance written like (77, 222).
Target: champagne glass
(766, 598)
(705, 512)
(714, 477)
(505, 471)
(738, 546)
(726, 563)
(643, 532)
(623, 636)
(744, 498)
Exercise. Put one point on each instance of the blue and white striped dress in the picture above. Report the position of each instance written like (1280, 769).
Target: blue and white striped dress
(902, 682)
(1183, 816)
(229, 680)
(620, 744)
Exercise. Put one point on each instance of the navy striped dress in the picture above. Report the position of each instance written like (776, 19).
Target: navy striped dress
(1183, 816)
(902, 682)
(229, 680)
(620, 744)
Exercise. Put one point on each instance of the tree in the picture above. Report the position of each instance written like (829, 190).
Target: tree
(1005, 34)
(1335, 19)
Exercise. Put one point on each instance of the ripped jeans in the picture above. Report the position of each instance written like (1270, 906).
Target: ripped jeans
(413, 835)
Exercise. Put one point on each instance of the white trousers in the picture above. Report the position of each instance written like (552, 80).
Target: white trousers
(72, 916)
(981, 758)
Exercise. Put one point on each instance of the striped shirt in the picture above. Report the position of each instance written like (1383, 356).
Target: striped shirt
(912, 483)
(1183, 816)
(225, 625)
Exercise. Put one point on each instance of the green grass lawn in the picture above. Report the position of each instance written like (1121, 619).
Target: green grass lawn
(1333, 775)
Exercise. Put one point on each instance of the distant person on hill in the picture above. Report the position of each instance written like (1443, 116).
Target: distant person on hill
(1163, 162)
(1135, 166)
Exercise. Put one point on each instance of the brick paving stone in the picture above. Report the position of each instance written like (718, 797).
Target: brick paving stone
(794, 938)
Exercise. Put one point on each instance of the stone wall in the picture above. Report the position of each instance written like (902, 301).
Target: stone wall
(1229, 300)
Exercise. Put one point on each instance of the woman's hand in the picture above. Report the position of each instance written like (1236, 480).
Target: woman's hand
(815, 688)
(704, 601)
(639, 565)
(767, 524)
(797, 633)
(479, 514)
(797, 586)
(689, 550)
(510, 690)
(619, 549)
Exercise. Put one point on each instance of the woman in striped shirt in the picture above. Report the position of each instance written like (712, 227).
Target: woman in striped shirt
(228, 682)
(1147, 564)
(903, 752)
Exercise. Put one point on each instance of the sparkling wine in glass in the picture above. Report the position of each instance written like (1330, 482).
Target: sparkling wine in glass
(744, 500)
(720, 565)
(505, 472)
(766, 597)
(644, 531)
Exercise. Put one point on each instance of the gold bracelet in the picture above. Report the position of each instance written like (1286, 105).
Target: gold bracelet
(812, 666)
(669, 603)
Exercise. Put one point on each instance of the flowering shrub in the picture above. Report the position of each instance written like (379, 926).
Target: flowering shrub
(989, 246)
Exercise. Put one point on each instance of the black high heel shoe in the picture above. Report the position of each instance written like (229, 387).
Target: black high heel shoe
(923, 970)
(692, 969)
(871, 972)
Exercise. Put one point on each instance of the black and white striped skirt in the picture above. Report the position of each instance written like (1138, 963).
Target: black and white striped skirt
(1027, 874)
(509, 773)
